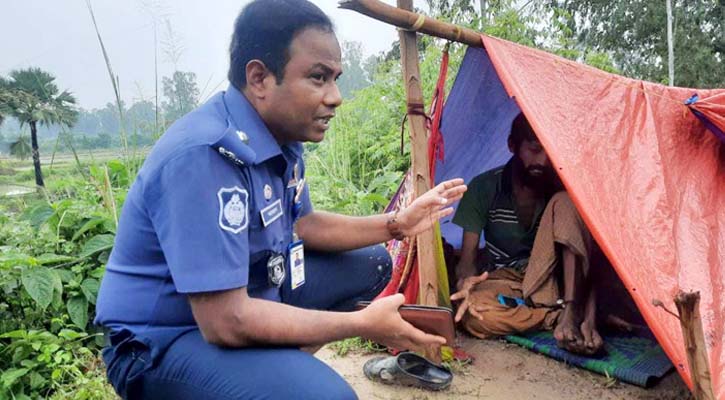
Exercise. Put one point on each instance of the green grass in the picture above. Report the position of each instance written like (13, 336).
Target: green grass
(355, 345)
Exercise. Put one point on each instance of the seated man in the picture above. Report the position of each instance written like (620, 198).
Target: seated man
(208, 293)
(535, 243)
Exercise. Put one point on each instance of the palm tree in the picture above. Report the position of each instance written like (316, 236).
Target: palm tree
(35, 99)
(20, 148)
(4, 100)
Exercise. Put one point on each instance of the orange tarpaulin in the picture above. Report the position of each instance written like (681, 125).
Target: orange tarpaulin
(647, 177)
(712, 111)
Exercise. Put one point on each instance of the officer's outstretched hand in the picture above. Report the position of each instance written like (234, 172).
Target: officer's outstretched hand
(433, 205)
(383, 324)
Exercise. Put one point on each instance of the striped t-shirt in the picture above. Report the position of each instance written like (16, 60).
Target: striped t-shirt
(489, 207)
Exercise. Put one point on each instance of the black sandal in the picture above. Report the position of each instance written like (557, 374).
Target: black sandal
(408, 369)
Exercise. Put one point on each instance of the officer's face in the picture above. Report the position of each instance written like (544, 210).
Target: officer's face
(301, 106)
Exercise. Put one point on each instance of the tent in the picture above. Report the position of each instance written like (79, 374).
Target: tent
(645, 170)
(646, 174)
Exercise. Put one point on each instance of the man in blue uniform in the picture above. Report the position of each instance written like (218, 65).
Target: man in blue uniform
(201, 299)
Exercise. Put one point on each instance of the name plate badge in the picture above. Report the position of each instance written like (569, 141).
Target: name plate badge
(272, 213)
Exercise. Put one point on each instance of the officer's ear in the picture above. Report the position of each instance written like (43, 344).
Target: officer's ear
(259, 78)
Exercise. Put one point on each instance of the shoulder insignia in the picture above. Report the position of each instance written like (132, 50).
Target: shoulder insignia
(233, 209)
(234, 146)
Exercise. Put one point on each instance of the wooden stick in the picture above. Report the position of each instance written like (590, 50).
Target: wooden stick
(688, 304)
(426, 242)
(411, 21)
(408, 265)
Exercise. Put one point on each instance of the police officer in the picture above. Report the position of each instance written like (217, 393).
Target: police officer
(201, 299)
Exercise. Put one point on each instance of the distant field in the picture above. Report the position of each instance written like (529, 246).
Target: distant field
(17, 177)
(64, 159)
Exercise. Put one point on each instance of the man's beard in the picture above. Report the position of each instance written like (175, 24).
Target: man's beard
(537, 177)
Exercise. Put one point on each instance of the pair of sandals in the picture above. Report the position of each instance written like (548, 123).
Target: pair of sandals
(408, 369)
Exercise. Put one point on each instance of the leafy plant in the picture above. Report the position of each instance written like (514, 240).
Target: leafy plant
(53, 255)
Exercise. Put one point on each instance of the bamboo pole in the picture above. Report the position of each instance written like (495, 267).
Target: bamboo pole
(419, 158)
(411, 21)
(688, 305)
(426, 241)
(670, 50)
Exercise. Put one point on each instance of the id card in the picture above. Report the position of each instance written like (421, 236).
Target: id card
(296, 264)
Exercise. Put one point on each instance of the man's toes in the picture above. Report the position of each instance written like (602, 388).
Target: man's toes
(588, 339)
(597, 341)
(574, 347)
(577, 337)
(592, 340)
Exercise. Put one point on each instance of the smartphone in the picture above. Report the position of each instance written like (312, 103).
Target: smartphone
(511, 302)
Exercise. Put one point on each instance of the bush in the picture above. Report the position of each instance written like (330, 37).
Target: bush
(53, 255)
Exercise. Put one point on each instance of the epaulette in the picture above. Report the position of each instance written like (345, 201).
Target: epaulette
(233, 145)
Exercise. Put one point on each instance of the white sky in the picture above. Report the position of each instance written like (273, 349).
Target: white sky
(58, 36)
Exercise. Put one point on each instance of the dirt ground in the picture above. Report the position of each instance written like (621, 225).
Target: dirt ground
(507, 372)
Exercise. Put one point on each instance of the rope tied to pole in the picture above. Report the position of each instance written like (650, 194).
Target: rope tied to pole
(412, 109)
(418, 22)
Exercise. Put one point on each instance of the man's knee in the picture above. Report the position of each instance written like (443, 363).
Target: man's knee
(493, 315)
(488, 326)
(566, 218)
(305, 377)
(194, 369)
(320, 384)
(562, 203)
(377, 269)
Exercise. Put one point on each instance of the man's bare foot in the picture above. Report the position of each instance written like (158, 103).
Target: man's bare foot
(593, 342)
(567, 333)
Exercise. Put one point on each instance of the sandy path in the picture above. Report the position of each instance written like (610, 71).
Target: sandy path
(507, 372)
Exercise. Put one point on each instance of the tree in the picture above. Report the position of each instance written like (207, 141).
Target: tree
(88, 122)
(35, 99)
(20, 148)
(142, 118)
(635, 34)
(354, 74)
(5, 97)
(109, 118)
(455, 11)
(181, 94)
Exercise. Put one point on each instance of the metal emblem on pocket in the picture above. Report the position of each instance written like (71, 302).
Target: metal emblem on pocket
(275, 270)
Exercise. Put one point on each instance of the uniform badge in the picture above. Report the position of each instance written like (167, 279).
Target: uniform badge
(272, 212)
(231, 156)
(275, 270)
(267, 192)
(233, 209)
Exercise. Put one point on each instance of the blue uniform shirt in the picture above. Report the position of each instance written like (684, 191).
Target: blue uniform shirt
(212, 202)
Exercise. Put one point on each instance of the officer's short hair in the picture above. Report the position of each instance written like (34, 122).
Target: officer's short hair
(264, 30)
(520, 131)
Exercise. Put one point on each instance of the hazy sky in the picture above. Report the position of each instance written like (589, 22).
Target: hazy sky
(58, 36)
